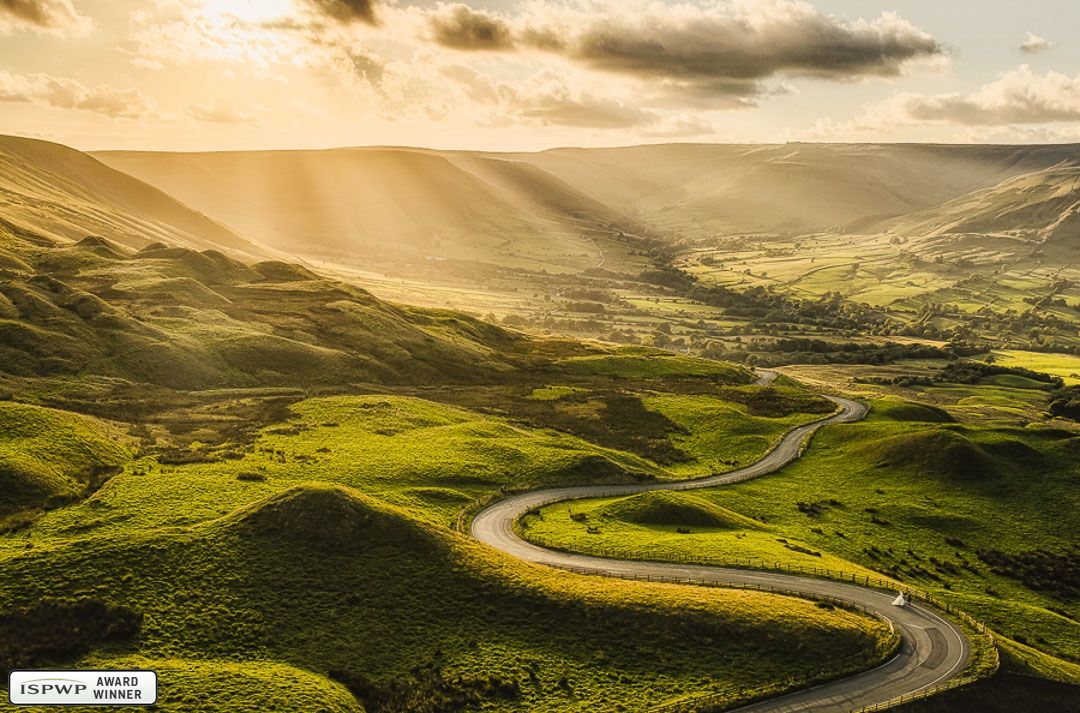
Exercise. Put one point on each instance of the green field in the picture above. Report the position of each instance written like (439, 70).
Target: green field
(50, 457)
(902, 494)
(721, 434)
(257, 478)
(332, 528)
(1066, 366)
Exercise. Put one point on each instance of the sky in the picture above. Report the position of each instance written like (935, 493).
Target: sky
(534, 74)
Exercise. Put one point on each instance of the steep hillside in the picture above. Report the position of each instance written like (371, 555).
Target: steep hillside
(401, 204)
(181, 318)
(328, 200)
(49, 191)
(704, 189)
(1041, 205)
(50, 457)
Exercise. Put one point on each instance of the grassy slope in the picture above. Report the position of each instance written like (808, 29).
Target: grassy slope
(922, 482)
(224, 569)
(429, 204)
(225, 686)
(49, 456)
(430, 458)
(183, 319)
(720, 435)
(57, 192)
(1064, 365)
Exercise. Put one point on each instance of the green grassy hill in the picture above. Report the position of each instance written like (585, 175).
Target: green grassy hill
(323, 549)
(675, 510)
(915, 499)
(184, 319)
(50, 457)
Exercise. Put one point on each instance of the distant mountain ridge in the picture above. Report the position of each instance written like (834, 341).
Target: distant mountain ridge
(348, 202)
(326, 201)
(1043, 204)
(105, 277)
(57, 193)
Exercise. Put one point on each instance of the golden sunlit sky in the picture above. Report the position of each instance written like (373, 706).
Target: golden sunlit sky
(532, 74)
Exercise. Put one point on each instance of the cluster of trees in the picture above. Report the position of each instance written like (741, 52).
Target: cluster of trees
(554, 324)
(806, 350)
(766, 305)
(585, 294)
(1065, 403)
(1034, 329)
(972, 372)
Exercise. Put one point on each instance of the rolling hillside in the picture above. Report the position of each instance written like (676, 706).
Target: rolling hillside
(52, 192)
(102, 275)
(546, 236)
(1041, 205)
(326, 200)
(181, 318)
(399, 204)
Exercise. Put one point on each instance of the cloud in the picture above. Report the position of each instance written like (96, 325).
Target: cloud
(176, 32)
(1019, 106)
(65, 93)
(461, 27)
(348, 10)
(43, 17)
(722, 49)
(1016, 97)
(547, 98)
(220, 111)
(1035, 44)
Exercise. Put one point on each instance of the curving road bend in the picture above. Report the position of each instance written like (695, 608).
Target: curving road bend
(932, 650)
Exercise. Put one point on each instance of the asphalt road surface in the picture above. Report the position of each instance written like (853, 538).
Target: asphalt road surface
(932, 651)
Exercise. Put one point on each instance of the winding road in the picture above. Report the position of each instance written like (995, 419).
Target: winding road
(933, 650)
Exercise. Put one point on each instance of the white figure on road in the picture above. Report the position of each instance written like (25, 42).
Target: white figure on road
(901, 600)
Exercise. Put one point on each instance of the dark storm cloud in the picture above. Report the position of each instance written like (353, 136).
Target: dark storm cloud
(348, 10)
(42, 14)
(724, 50)
(461, 27)
(730, 48)
(34, 11)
